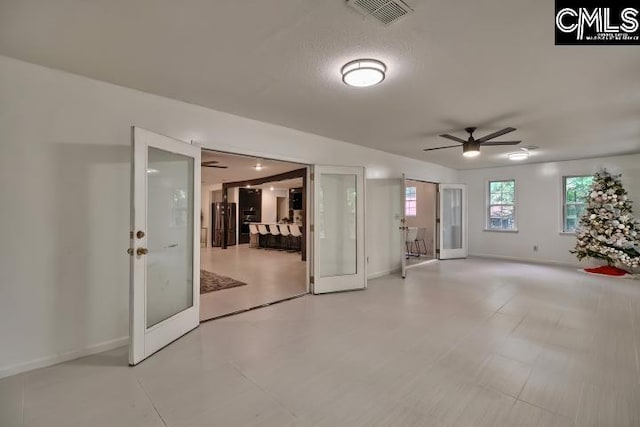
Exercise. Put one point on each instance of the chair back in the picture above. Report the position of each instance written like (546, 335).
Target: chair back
(273, 228)
(253, 229)
(412, 233)
(262, 229)
(284, 229)
(295, 230)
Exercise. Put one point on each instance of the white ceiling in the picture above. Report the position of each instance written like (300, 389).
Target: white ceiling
(241, 168)
(451, 64)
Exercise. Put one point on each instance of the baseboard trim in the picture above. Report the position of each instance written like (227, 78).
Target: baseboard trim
(527, 260)
(46, 361)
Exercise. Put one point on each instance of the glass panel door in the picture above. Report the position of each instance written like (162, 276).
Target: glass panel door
(453, 221)
(165, 274)
(403, 225)
(339, 229)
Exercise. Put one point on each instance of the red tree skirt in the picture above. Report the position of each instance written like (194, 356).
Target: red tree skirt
(607, 270)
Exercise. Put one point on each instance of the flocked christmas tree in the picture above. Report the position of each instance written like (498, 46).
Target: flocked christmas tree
(608, 231)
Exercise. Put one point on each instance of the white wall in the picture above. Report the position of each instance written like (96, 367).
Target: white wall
(64, 183)
(539, 207)
(269, 208)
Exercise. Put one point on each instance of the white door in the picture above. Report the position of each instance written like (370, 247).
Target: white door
(164, 249)
(338, 233)
(452, 220)
(403, 224)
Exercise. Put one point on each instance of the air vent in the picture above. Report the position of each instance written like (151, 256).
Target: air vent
(384, 11)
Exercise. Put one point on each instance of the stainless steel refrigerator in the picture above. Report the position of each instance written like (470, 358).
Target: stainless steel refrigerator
(218, 217)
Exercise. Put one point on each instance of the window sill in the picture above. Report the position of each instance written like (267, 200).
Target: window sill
(496, 230)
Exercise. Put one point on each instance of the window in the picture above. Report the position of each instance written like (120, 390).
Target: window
(576, 190)
(410, 201)
(502, 205)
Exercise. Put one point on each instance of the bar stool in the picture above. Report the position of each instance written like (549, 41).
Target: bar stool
(294, 229)
(273, 229)
(254, 235)
(286, 235)
(410, 242)
(264, 233)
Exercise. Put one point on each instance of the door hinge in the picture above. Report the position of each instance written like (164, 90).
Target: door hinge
(437, 220)
(312, 228)
(131, 235)
(437, 251)
(312, 176)
(312, 280)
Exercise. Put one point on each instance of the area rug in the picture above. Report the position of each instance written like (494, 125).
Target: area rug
(211, 282)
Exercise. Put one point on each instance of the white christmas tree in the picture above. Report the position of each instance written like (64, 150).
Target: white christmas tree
(608, 231)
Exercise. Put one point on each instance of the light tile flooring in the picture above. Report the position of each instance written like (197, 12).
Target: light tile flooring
(458, 343)
(270, 276)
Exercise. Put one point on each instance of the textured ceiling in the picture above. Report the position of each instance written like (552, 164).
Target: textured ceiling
(241, 168)
(451, 64)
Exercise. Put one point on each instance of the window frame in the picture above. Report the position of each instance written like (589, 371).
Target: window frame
(488, 205)
(563, 207)
(414, 200)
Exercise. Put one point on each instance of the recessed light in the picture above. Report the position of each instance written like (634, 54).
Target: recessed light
(258, 166)
(248, 185)
(363, 72)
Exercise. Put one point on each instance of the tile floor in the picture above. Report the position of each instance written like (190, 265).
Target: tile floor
(270, 276)
(458, 343)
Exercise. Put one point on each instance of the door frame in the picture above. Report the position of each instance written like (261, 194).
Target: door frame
(436, 225)
(308, 217)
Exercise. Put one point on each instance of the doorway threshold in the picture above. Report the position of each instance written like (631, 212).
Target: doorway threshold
(255, 308)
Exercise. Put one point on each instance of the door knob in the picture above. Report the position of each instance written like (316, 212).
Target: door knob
(130, 251)
(140, 234)
(142, 251)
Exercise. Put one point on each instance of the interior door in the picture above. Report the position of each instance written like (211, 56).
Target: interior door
(338, 233)
(452, 221)
(164, 249)
(403, 224)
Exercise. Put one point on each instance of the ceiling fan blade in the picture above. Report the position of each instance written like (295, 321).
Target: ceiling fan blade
(495, 134)
(453, 138)
(213, 166)
(440, 148)
(484, 144)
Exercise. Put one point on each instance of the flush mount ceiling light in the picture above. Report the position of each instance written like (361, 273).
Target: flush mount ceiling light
(363, 72)
(523, 154)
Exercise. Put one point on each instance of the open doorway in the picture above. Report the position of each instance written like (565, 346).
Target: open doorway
(420, 232)
(253, 236)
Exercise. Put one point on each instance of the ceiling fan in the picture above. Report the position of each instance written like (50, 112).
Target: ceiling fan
(471, 147)
(213, 164)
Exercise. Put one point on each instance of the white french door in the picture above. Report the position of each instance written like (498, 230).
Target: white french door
(164, 248)
(452, 215)
(339, 225)
(403, 224)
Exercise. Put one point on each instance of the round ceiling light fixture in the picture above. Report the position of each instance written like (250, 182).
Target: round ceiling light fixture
(363, 72)
(523, 154)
